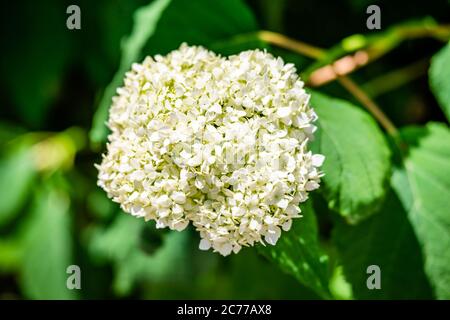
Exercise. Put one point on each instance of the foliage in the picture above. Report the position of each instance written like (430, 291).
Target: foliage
(385, 194)
(421, 184)
(349, 157)
(439, 75)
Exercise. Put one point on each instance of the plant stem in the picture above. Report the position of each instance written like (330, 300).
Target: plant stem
(370, 105)
(291, 44)
(396, 78)
(314, 52)
(376, 45)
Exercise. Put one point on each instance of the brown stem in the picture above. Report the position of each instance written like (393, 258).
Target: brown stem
(367, 102)
(291, 44)
(317, 53)
(396, 78)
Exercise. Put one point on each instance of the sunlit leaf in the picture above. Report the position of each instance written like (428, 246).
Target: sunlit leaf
(17, 172)
(48, 248)
(357, 158)
(387, 240)
(423, 185)
(440, 78)
(298, 253)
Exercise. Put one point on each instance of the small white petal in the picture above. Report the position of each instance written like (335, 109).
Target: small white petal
(287, 225)
(284, 112)
(317, 160)
(283, 203)
(311, 185)
(204, 244)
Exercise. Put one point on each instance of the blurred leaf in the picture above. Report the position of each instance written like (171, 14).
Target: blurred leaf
(339, 286)
(387, 240)
(105, 23)
(357, 163)
(440, 78)
(100, 205)
(10, 254)
(360, 5)
(35, 57)
(8, 132)
(200, 22)
(48, 247)
(298, 253)
(273, 14)
(121, 244)
(168, 264)
(237, 44)
(246, 271)
(145, 20)
(17, 173)
(117, 241)
(423, 186)
(162, 26)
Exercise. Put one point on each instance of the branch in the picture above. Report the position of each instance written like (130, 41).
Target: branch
(396, 78)
(370, 105)
(291, 44)
(314, 52)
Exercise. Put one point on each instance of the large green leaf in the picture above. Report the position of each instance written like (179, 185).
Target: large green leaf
(387, 240)
(298, 253)
(200, 22)
(17, 173)
(163, 25)
(440, 78)
(357, 163)
(48, 248)
(423, 185)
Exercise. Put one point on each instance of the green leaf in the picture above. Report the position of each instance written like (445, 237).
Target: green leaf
(200, 22)
(10, 254)
(387, 240)
(247, 268)
(145, 21)
(121, 243)
(17, 173)
(298, 253)
(8, 132)
(440, 78)
(162, 26)
(357, 158)
(118, 240)
(48, 248)
(166, 265)
(104, 24)
(423, 185)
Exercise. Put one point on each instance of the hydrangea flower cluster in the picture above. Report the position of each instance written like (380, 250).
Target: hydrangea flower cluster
(219, 142)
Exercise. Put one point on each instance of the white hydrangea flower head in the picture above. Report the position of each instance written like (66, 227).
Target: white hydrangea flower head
(219, 142)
